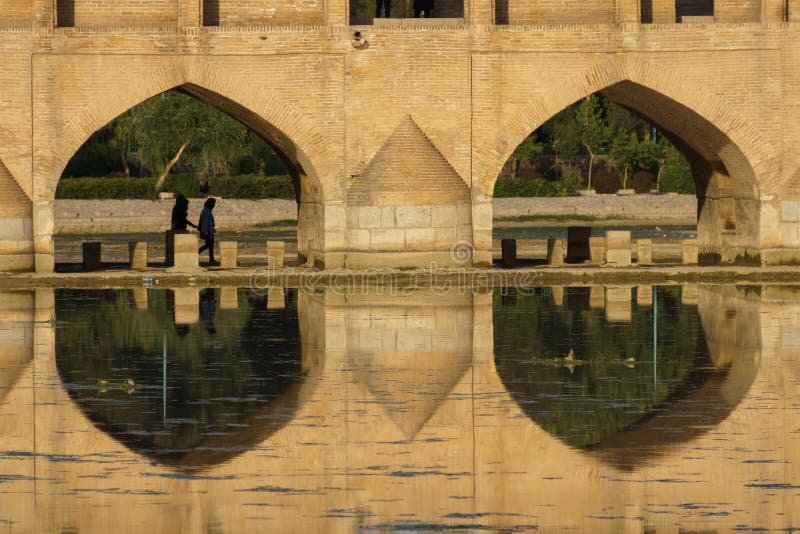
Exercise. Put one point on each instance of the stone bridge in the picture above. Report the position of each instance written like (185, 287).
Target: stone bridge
(395, 130)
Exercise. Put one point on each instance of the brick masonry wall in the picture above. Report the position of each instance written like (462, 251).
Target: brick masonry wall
(554, 12)
(15, 13)
(262, 12)
(93, 13)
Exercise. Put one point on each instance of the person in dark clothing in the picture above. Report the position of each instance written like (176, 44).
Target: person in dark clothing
(207, 229)
(180, 212)
(425, 6)
(386, 8)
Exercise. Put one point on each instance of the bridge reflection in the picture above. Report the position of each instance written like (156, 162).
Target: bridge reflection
(394, 407)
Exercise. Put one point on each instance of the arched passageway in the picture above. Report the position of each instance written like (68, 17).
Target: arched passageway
(717, 143)
(212, 142)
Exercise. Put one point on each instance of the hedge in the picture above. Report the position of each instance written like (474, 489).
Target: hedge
(244, 186)
(516, 187)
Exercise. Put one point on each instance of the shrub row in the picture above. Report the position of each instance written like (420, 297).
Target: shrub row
(243, 186)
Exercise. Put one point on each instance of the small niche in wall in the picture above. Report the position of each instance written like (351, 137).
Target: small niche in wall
(210, 12)
(693, 8)
(65, 13)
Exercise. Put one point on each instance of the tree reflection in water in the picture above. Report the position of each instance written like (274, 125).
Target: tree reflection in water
(228, 386)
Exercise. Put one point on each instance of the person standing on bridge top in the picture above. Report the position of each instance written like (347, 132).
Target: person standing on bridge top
(425, 6)
(386, 8)
(207, 229)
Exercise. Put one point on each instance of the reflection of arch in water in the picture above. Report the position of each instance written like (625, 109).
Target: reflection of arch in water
(723, 369)
(223, 404)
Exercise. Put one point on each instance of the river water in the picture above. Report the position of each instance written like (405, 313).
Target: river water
(666, 409)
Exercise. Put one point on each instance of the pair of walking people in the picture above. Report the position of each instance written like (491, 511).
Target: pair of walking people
(205, 227)
(420, 7)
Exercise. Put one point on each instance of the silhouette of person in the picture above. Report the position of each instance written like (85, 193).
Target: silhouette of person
(386, 8)
(180, 212)
(423, 6)
(207, 229)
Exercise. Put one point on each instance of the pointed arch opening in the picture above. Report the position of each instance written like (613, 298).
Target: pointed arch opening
(194, 141)
(664, 132)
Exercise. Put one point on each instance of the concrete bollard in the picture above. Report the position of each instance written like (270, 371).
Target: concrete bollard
(644, 251)
(137, 254)
(618, 304)
(644, 295)
(618, 248)
(275, 253)
(578, 248)
(509, 249)
(229, 254)
(691, 251)
(92, 256)
(597, 250)
(169, 248)
(555, 252)
(186, 256)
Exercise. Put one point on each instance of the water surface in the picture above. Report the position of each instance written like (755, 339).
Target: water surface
(228, 410)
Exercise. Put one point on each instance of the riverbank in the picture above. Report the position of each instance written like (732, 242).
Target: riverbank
(145, 216)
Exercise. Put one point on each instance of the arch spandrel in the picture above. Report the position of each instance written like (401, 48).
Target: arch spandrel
(716, 117)
(117, 89)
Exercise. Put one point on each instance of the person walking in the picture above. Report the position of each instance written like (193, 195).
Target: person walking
(180, 214)
(386, 8)
(207, 229)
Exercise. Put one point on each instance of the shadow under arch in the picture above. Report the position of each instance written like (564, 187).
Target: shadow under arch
(720, 145)
(220, 398)
(706, 386)
(273, 120)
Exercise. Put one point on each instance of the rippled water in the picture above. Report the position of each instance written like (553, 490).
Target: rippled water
(226, 410)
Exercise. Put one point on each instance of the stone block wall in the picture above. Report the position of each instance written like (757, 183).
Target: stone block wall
(16, 225)
(417, 228)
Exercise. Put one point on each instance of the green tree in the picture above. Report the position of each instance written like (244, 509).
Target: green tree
(166, 126)
(528, 149)
(587, 129)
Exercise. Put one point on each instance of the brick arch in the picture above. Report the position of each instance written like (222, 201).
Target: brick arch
(735, 141)
(279, 122)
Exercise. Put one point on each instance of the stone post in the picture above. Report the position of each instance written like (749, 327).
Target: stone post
(479, 11)
(555, 252)
(618, 247)
(137, 254)
(190, 13)
(509, 253)
(644, 251)
(43, 226)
